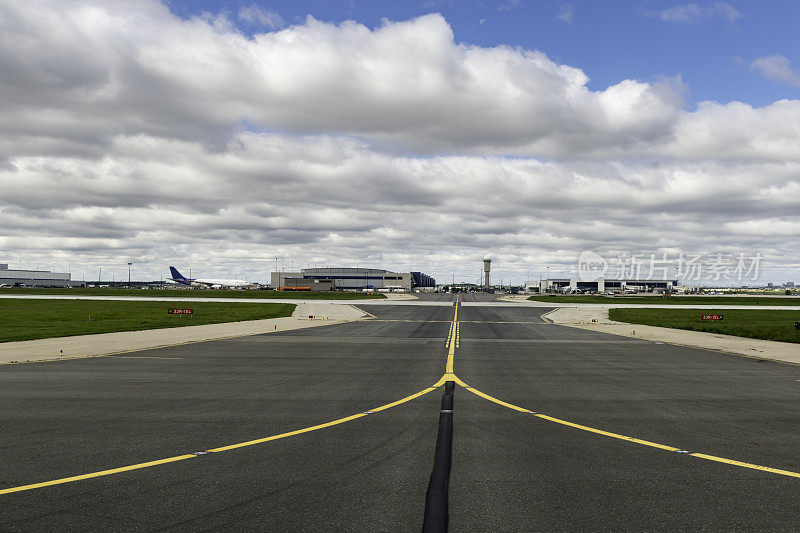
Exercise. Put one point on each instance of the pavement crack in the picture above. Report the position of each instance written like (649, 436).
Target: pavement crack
(436, 499)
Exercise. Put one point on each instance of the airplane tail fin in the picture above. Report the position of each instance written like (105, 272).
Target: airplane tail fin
(175, 274)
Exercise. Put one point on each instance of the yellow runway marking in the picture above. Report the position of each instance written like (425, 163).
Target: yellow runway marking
(499, 322)
(500, 402)
(449, 335)
(627, 438)
(407, 320)
(365, 312)
(406, 399)
(216, 450)
(452, 342)
(97, 474)
(143, 357)
(287, 434)
(451, 376)
(543, 316)
(746, 465)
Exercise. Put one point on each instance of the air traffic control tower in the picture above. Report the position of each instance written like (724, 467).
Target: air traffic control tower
(487, 266)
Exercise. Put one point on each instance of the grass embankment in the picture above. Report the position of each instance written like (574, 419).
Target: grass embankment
(39, 319)
(757, 324)
(665, 300)
(196, 293)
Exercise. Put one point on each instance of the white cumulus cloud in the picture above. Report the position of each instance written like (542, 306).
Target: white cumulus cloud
(565, 13)
(777, 68)
(255, 14)
(126, 131)
(693, 13)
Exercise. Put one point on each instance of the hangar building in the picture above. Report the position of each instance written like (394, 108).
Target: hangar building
(35, 278)
(603, 285)
(335, 278)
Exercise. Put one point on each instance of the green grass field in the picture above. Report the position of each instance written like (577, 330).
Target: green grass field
(39, 319)
(665, 300)
(197, 293)
(755, 323)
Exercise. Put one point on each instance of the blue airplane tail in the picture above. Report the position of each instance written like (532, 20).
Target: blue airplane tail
(177, 276)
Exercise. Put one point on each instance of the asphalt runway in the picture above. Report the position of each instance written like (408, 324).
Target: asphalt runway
(512, 470)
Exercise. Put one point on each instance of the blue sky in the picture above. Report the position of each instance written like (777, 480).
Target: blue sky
(609, 40)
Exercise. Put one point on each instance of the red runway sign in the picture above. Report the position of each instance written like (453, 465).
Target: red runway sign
(712, 317)
(181, 311)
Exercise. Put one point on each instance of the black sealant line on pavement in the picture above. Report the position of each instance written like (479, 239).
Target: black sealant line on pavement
(436, 516)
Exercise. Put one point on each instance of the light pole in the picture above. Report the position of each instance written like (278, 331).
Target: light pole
(129, 274)
(547, 279)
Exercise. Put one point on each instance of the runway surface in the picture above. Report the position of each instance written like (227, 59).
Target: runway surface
(604, 451)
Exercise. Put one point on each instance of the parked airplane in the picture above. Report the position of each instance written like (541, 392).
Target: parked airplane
(177, 277)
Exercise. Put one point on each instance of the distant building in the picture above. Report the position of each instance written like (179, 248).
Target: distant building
(350, 279)
(35, 278)
(606, 285)
(418, 279)
(463, 287)
(789, 284)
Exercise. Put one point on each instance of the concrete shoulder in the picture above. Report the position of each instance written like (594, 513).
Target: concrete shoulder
(581, 317)
(306, 315)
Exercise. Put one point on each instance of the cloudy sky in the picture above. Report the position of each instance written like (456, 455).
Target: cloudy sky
(419, 136)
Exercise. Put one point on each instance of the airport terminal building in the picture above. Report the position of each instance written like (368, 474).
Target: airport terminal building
(333, 278)
(35, 278)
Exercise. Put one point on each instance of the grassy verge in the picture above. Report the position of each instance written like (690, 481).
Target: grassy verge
(755, 323)
(39, 319)
(663, 300)
(197, 293)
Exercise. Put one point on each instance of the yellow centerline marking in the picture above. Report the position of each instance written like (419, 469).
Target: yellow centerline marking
(627, 438)
(143, 357)
(97, 474)
(449, 336)
(452, 342)
(495, 400)
(411, 321)
(287, 434)
(216, 450)
(746, 465)
(451, 376)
